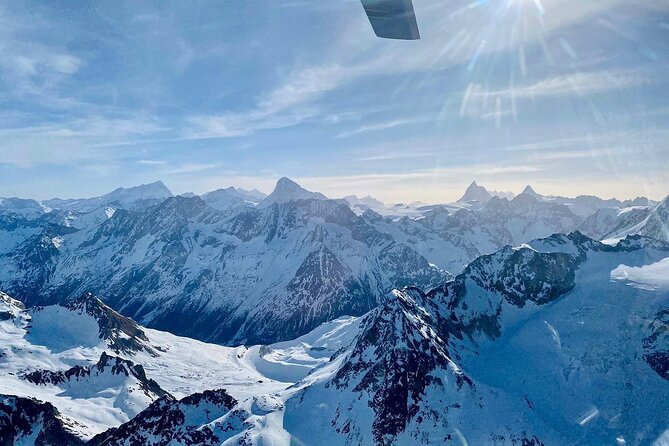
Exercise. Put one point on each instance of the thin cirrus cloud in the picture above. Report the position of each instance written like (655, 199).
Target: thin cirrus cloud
(370, 112)
(78, 140)
(381, 126)
(286, 105)
(477, 96)
(581, 83)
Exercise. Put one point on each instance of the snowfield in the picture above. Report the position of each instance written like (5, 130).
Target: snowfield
(486, 321)
(55, 338)
(650, 277)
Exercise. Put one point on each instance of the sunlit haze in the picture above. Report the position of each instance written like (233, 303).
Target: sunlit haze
(570, 96)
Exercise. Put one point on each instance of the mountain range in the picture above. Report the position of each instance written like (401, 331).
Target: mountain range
(238, 267)
(513, 350)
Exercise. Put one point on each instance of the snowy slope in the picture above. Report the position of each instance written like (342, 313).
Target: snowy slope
(129, 198)
(518, 333)
(609, 223)
(72, 356)
(256, 276)
(514, 350)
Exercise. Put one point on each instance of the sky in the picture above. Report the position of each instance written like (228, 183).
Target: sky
(570, 96)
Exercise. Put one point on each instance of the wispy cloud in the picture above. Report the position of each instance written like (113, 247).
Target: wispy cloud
(288, 104)
(381, 126)
(89, 139)
(190, 168)
(152, 162)
(582, 84)
(32, 67)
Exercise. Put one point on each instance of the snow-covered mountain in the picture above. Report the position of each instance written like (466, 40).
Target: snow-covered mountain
(277, 270)
(27, 421)
(175, 421)
(287, 190)
(586, 205)
(364, 203)
(475, 193)
(657, 223)
(231, 198)
(252, 196)
(21, 207)
(63, 378)
(613, 224)
(224, 199)
(512, 351)
(260, 275)
(453, 238)
(142, 195)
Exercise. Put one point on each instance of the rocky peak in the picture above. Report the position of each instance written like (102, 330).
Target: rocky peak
(121, 333)
(475, 193)
(107, 364)
(395, 359)
(530, 191)
(171, 421)
(287, 190)
(28, 421)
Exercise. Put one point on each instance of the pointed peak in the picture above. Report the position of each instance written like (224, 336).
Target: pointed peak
(529, 191)
(285, 182)
(288, 190)
(475, 192)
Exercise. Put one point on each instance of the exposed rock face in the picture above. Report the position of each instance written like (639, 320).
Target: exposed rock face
(656, 344)
(121, 333)
(172, 422)
(28, 421)
(107, 365)
(256, 276)
(440, 366)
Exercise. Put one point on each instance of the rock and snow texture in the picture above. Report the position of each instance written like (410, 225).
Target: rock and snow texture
(174, 421)
(256, 276)
(287, 190)
(515, 350)
(475, 193)
(69, 357)
(277, 270)
(520, 333)
(29, 422)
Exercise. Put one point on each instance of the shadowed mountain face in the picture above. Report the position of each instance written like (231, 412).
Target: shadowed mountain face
(494, 356)
(258, 275)
(234, 272)
(28, 421)
(514, 350)
(171, 421)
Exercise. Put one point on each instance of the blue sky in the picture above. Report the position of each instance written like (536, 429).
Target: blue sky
(570, 96)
